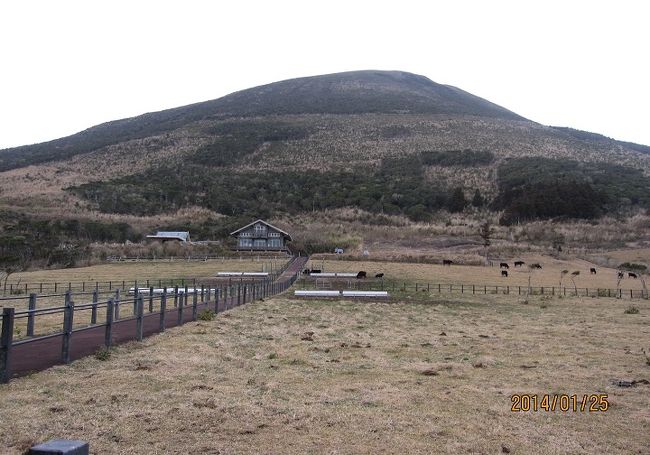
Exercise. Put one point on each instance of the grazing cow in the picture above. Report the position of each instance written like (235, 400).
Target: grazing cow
(592, 270)
(361, 274)
(504, 273)
(519, 263)
(632, 275)
(620, 275)
(447, 262)
(379, 275)
(536, 266)
(306, 272)
(504, 265)
(315, 271)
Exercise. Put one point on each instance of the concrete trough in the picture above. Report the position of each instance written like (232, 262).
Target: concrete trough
(383, 294)
(310, 293)
(170, 290)
(334, 275)
(230, 273)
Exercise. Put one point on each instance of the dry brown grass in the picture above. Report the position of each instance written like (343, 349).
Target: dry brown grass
(548, 276)
(143, 271)
(371, 378)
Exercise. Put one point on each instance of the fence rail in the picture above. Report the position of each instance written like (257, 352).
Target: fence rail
(12, 289)
(440, 288)
(195, 258)
(118, 317)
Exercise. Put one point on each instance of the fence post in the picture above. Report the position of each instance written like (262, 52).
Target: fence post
(108, 334)
(179, 320)
(93, 311)
(117, 304)
(239, 294)
(136, 293)
(6, 339)
(194, 299)
(150, 299)
(202, 293)
(68, 317)
(175, 296)
(216, 300)
(30, 316)
(139, 318)
(245, 287)
(163, 307)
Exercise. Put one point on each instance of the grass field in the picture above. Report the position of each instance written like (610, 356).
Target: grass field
(290, 376)
(141, 271)
(548, 276)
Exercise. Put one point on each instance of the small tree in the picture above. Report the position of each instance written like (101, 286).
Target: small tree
(573, 276)
(457, 201)
(485, 232)
(478, 201)
(562, 275)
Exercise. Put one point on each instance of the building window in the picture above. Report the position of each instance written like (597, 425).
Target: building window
(275, 243)
(260, 228)
(259, 243)
(245, 243)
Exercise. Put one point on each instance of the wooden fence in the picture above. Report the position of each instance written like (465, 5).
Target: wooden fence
(145, 305)
(440, 288)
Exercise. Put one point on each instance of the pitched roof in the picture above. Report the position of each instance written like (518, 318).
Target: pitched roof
(263, 222)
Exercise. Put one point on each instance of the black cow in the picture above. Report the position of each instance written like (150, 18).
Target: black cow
(379, 275)
(361, 274)
(519, 263)
(592, 270)
(536, 266)
(315, 271)
(504, 265)
(447, 262)
(632, 275)
(504, 273)
(620, 275)
(306, 272)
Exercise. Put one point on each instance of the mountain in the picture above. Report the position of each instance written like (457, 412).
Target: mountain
(389, 143)
(357, 92)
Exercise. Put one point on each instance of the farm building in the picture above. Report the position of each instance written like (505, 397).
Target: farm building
(261, 236)
(166, 236)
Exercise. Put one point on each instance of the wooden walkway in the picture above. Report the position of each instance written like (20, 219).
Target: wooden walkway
(41, 354)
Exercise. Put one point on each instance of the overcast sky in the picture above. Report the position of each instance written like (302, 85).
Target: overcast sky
(69, 65)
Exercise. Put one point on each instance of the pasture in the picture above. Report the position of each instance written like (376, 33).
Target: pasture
(292, 376)
(548, 276)
(142, 271)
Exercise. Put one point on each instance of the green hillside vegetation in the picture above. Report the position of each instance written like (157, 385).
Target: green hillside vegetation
(541, 188)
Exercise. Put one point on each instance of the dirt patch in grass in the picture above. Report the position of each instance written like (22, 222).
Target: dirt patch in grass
(288, 376)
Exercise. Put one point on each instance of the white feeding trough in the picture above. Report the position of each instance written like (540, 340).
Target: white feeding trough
(309, 293)
(170, 290)
(324, 293)
(242, 274)
(333, 275)
(365, 293)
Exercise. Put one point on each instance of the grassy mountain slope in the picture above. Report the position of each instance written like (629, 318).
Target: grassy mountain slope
(397, 146)
(343, 93)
